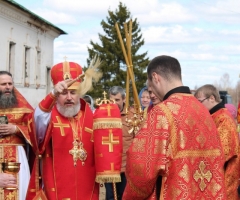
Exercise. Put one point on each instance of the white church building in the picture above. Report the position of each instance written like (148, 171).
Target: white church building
(26, 44)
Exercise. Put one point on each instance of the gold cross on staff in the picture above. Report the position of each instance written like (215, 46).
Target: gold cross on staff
(104, 94)
(108, 108)
(60, 125)
(110, 140)
(65, 58)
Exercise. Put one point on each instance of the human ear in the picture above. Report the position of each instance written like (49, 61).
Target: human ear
(155, 77)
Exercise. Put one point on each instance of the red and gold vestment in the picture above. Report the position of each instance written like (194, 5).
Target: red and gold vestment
(227, 130)
(9, 144)
(60, 177)
(179, 142)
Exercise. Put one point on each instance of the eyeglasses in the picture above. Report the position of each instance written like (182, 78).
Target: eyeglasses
(203, 99)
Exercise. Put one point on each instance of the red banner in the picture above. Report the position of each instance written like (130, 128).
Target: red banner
(107, 127)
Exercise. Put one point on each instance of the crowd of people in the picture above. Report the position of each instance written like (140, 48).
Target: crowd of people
(187, 146)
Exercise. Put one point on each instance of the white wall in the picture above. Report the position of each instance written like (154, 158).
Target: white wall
(18, 27)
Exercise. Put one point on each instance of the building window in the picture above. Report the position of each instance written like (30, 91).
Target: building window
(11, 57)
(38, 67)
(48, 83)
(26, 66)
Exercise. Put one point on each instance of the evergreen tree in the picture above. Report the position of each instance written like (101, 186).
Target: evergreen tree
(113, 63)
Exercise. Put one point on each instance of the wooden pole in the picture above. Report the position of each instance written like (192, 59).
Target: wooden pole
(135, 94)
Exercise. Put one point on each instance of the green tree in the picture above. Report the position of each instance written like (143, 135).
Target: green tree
(113, 63)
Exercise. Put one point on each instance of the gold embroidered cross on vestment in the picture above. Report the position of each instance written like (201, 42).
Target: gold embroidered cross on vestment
(60, 125)
(108, 108)
(110, 140)
(202, 175)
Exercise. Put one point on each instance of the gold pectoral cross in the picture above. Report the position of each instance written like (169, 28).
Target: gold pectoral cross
(78, 152)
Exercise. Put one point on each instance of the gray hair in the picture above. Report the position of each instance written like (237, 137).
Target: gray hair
(117, 89)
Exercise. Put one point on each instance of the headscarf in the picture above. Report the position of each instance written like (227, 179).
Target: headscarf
(92, 102)
(232, 109)
(140, 95)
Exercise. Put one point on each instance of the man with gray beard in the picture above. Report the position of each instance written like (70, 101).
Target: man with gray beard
(14, 112)
(62, 137)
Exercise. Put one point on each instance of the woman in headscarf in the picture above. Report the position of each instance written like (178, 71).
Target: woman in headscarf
(144, 98)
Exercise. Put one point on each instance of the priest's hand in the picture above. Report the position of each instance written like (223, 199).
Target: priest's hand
(7, 180)
(61, 86)
(7, 129)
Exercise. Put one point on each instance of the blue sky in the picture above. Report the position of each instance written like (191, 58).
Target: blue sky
(203, 35)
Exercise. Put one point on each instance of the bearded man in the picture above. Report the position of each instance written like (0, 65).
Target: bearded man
(14, 110)
(62, 139)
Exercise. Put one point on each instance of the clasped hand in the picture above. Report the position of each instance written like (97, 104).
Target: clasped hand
(7, 129)
(7, 180)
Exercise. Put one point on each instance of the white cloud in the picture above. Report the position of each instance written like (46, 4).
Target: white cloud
(56, 17)
(203, 35)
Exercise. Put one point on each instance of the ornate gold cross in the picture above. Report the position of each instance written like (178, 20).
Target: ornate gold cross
(60, 125)
(201, 175)
(110, 140)
(104, 94)
(75, 152)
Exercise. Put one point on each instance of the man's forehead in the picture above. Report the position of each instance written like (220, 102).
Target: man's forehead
(117, 96)
(69, 90)
(4, 78)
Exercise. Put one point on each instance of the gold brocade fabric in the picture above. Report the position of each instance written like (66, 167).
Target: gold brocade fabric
(8, 144)
(179, 142)
(229, 138)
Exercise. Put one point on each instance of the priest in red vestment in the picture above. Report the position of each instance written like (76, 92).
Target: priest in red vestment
(209, 96)
(14, 136)
(63, 141)
(178, 142)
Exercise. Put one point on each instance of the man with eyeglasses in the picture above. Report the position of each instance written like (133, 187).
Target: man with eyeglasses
(209, 96)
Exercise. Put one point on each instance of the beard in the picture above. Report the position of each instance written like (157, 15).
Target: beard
(8, 101)
(68, 111)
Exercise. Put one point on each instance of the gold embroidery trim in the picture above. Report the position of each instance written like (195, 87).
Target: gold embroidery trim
(15, 110)
(50, 189)
(88, 130)
(197, 153)
(105, 123)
